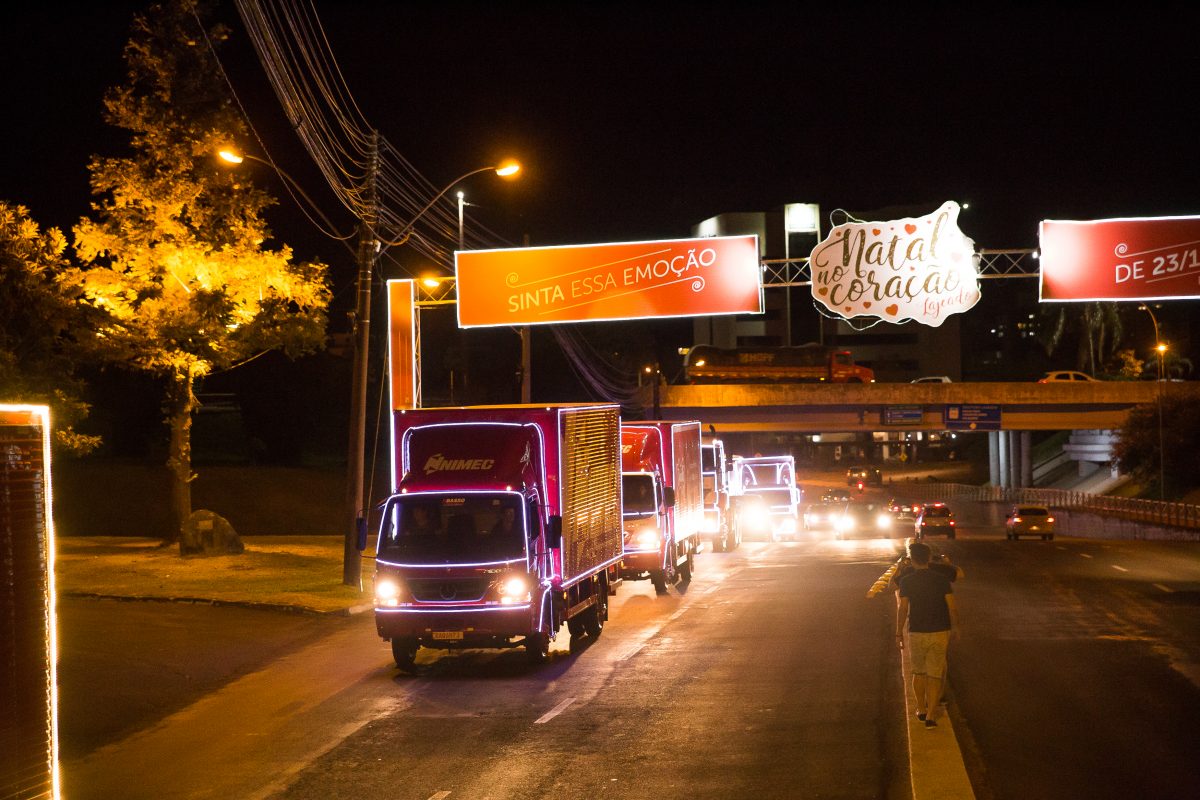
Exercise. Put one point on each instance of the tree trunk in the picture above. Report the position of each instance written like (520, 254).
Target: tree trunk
(180, 403)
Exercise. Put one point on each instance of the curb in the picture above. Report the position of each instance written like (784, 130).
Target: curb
(289, 608)
(935, 762)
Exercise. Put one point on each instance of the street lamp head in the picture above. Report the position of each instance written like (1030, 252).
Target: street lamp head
(231, 157)
(1162, 348)
(508, 168)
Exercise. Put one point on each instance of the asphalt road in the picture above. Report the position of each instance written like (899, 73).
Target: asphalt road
(771, 676)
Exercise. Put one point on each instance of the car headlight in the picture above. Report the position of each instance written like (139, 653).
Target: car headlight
(387, 591)
(845, 523)
(513, 589)
(883, 521)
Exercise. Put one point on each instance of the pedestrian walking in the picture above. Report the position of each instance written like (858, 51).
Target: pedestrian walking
(927, 610)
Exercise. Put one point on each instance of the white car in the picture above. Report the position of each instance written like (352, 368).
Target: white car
(934, 379)
(1065, 375)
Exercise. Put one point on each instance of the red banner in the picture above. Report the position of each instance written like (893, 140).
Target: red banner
(1156, 258)
(402, 343)
(629, 280)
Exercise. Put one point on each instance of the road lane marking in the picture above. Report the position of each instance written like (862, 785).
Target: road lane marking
(1060, 547)
(1085, 555)
(677, 614)
(1166, 589)
(1118, 566)
(439, 796)
(552, 713)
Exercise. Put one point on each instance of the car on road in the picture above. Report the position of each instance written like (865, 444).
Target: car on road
(934, 519)
(823, 517)
(865, 521)
(1025, 520)
(861, 477)
(933, 379)
(903, 510)
(835, 496)
(1061, 375)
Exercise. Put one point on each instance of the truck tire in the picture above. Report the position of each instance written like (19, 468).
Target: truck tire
(576, 627)
(537, 647)
(594, 617)
(404, 651)
(687, 567)
(659, 579)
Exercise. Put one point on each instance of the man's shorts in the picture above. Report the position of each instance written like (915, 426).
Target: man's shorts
(927, 653)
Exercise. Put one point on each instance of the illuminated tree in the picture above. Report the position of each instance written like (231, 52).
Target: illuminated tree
(174, 251)
(39, 323)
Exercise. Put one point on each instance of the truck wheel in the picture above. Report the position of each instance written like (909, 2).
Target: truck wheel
(685, 571)
(575, 626)
(721, 542)
(537, 647)
(659, 579)
(593, 618)
(404, 651)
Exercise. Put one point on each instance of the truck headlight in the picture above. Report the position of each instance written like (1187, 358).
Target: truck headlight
(845, 523)
(883, 521)
(788, 525)
(513, 589)
(387, 591)
(646, 539)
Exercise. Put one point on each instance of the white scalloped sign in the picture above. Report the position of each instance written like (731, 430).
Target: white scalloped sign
(918, 268)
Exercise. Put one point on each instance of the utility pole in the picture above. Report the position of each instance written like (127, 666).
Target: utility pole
(368, 255)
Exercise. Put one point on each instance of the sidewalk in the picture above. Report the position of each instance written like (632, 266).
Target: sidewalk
(295, 573)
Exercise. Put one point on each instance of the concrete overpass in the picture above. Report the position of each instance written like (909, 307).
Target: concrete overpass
(1008, 412)
(869, 407)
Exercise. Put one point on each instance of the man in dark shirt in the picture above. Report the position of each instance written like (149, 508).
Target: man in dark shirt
(927, 606)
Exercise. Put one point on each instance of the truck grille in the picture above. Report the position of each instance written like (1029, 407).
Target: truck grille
(448, 590)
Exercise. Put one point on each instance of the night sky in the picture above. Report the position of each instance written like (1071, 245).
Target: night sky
(638, 121)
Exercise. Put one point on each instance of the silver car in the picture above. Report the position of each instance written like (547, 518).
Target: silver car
(935, 519)
(1030, 521)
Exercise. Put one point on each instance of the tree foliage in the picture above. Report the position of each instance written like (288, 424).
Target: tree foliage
(39, 325)
(1096, 329)
(174, 252)
(1177, 434)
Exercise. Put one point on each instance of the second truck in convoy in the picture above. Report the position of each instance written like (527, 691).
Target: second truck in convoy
(662, 501)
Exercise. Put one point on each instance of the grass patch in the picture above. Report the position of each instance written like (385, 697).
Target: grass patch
(300, 571)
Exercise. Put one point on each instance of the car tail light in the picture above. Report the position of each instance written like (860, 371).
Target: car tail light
(1049, 519)
(1016, 519)
(951, 523)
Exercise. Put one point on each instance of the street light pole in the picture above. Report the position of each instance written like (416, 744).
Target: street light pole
(1160, 348)
(368, 254)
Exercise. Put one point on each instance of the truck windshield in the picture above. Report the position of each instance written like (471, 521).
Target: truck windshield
(637, 492)
(775, 498)
(452, 528)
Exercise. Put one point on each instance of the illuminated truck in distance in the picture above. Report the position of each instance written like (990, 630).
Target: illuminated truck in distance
(809, 363)
(501, 526)
(720, 523)
(662, 503)
(768, 500)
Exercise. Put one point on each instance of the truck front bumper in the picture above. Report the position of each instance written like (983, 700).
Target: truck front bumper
(459, 627)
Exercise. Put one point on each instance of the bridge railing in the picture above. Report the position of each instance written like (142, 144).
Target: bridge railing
(1156, 512)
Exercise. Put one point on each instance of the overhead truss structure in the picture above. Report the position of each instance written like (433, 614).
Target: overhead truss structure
(780, 273)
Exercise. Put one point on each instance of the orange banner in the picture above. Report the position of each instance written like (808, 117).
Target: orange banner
(628, 280)
(402, 350)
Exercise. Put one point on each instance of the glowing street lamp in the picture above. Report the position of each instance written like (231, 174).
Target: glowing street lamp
(369, 247)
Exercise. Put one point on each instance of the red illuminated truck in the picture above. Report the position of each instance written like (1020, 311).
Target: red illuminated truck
(501, 526)
(720, 523)
(662, 503)
(768, 502)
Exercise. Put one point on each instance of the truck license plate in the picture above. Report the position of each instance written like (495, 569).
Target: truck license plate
(448, 635)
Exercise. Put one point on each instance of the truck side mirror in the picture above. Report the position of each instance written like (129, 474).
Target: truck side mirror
(361, 533)
(554, 532)
(669, 497)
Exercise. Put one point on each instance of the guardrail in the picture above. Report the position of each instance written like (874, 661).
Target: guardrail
(1156, 512)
